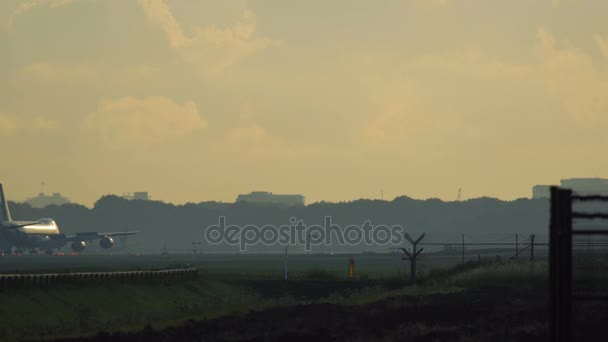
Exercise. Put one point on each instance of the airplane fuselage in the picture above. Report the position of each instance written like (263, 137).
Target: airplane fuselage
(43, 234)
(45, 226)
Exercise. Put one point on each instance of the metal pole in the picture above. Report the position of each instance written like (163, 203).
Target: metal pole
(413, 256)
(463, 249)
(560, 267)
(285, 272)
(413, 265)
(516, 247)
(532, 247)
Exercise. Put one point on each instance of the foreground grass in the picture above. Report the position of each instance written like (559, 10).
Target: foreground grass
(71, 310)
(509, 274)
(74, 311)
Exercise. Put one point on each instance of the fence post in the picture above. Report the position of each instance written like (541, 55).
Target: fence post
(532, 247)
(560, 267)
(516, 246)
(463, 249)
(412, 257)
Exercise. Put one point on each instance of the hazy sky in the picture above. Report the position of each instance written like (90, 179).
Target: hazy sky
(203, 100)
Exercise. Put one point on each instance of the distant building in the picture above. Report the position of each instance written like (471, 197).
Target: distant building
(270, 198)
(138, 195)
(581, 186)
(541, 191)
(141, 195)
(586, 186)
(43, 200)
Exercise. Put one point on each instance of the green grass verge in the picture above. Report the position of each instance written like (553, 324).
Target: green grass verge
(75, 310)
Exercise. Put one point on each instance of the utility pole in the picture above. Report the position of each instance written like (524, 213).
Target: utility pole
(516, 247)
(285, 271)
(463, 249)
(532, 247)
(412, 257)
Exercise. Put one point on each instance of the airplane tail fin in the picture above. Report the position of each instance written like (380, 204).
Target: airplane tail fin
(5, 214)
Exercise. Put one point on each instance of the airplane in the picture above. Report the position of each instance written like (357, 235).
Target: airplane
(44, 234)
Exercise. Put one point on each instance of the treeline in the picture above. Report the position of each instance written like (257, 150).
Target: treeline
(176, 227)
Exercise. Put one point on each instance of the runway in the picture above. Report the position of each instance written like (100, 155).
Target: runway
(370, 264)
(43, 280)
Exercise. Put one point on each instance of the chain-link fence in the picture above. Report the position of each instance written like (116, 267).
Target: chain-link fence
(578, 266)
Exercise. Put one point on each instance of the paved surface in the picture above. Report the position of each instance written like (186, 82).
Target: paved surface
(269, 263)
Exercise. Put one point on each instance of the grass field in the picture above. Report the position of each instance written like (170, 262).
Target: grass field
(70, 310)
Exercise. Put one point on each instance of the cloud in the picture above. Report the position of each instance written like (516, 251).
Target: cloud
(602, 44)
(129, 121)
(210, 48)
(472, 96)
(571, 76)
(56, 72)
(27, 6)
(159, 13)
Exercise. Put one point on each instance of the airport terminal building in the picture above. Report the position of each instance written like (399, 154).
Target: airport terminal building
(264, 197)
(581, 186)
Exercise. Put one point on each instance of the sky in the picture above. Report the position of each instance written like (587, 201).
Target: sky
(337, 100)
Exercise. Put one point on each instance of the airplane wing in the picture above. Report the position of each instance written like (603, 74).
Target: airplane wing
(94, 235)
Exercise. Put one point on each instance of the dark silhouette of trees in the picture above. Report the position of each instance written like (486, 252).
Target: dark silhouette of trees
(177, 226)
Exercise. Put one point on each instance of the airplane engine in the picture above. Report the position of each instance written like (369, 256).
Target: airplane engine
(106, 242)
(78, 246)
